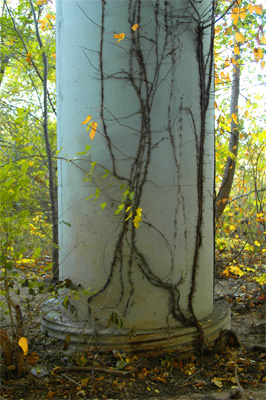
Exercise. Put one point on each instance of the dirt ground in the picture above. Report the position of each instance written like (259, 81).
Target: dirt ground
(232, 368)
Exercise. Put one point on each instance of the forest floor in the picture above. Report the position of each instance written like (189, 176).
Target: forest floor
(232, 368)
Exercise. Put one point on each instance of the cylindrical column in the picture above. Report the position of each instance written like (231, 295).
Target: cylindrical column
(136, 201)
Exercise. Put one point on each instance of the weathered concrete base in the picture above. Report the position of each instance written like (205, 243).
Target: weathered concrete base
(156, 341)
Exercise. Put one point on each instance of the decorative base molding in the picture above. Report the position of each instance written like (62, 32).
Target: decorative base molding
(154, 341)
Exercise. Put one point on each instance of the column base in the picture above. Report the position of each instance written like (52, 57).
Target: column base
(154, 341)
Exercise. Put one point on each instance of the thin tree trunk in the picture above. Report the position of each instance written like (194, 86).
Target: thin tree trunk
(52, 184)
(229, 172)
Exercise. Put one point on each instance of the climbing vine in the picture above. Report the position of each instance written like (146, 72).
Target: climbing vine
(153, 50)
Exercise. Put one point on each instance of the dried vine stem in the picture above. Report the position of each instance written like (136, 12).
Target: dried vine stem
(146, 87)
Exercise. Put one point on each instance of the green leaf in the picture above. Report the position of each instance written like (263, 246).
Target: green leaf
(121, 364)
(119, 209)
(36, 253)
(58, 151)
(97, 194)
(103, 205)
(65, 223)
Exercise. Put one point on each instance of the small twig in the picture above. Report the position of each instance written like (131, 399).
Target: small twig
(192, 375)
(87, 369)
(76, 383)
(70, 379)
(237, 381)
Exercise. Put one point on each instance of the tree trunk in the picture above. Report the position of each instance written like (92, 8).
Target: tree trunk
(229, 172)
(51, 169)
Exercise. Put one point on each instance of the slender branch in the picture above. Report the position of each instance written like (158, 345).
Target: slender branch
(222, 16)
(246, 194)
(95, 369)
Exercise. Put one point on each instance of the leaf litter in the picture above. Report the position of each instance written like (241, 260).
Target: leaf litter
(236, 362)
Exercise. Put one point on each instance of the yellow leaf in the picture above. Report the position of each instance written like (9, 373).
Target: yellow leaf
(50, 395)
(43, 23)
(138, 211)
(81, 361)
(23, 343)
(250, 8)
(137, 218)
(258, 9)
(93, 130)
(158, 378)
(226, 77)
(32, 358)
(235, 15)
(262, 64)
(217, 30)
(239, 37)
(234, 116)
(263, 39)
(135, 27)
(235, 270)
(258, 53)
(217, 382)
(86, 120)
(84, 382)
(119, 36)
(243, 13)
(129, 216)
(136, 222)
(236, 50)
(28, 58)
